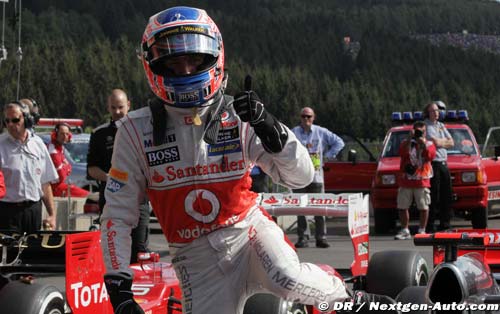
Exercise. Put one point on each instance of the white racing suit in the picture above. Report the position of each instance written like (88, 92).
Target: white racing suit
(224, 247)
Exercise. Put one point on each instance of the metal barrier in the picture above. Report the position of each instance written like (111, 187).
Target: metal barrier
(70, 215)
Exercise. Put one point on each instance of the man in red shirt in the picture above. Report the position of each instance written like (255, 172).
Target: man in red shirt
(416, 171)
(60, 136)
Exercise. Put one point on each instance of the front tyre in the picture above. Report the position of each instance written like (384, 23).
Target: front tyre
(21, 298)
(265, 303)
(389, 272)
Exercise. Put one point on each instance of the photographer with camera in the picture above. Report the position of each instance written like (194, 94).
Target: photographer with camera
(416, 154)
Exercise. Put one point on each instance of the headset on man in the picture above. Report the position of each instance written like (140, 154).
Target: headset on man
(29, 120)
(55, 132)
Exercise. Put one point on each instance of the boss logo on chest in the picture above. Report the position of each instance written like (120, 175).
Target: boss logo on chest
(163, 156)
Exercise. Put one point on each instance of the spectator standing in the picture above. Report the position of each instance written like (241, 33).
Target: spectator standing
(99, 165)
(60, 136)
(320, 143)
(441, 191)
(416, 154)
(28, 172)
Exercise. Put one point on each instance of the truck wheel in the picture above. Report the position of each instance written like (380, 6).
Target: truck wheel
(266, 303)
(413, 295)
(20, 298)
(389, 272)
(385, 220)
(480, 218)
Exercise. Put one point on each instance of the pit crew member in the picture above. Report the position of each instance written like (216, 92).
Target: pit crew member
(60, 136)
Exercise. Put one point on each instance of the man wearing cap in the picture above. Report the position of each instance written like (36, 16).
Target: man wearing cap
(320, 143)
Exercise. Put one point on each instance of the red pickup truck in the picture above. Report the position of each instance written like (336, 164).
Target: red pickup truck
(475, 175)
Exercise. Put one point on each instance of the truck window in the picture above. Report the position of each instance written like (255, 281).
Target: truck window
(391, 149)
(463, 143)
(493, 139)
(365, 152)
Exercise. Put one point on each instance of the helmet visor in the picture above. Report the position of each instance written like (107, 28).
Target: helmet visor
(184, 39)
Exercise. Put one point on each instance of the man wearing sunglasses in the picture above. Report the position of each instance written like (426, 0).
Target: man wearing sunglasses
(320, 143)
(28, 170)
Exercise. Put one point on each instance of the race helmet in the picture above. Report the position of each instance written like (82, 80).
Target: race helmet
(183, 57)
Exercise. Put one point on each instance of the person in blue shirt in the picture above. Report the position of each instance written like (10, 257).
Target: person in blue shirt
(320, 143)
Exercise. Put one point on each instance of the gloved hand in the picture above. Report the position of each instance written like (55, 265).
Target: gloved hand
(362, 300)
(119, 290)
(249, 107)
(271, 132)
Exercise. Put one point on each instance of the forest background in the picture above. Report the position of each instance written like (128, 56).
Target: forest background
(353, 61)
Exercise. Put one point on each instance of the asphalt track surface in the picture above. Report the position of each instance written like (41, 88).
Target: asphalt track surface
(340, 252)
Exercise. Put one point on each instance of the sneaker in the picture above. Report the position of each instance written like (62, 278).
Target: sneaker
(301, 243)
(421, 230)
(403, 234)
(321, 243)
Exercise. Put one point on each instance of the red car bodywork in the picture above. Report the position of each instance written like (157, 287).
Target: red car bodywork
(487, 244)
(466, 266)
(348, 174)
(155, 287)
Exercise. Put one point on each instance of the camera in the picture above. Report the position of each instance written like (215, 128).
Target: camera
(418, 134)
(410, 169)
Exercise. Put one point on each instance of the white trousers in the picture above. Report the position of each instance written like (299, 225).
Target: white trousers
(218, 272)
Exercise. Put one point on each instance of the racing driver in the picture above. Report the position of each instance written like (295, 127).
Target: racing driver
(191, 152)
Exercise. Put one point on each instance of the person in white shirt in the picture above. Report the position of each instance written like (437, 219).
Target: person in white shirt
(28, 172)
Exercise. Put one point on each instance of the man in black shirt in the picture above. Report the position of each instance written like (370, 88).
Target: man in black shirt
(99, 165)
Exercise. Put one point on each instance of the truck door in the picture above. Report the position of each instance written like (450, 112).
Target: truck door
(352, 170)
(490, 154)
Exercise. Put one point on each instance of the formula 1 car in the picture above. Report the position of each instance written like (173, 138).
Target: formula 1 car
(466, 272)
(28, 263)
